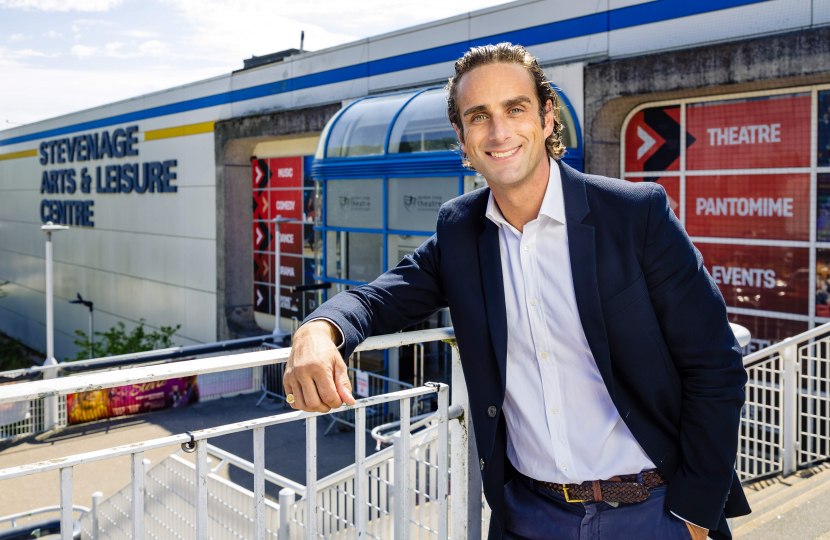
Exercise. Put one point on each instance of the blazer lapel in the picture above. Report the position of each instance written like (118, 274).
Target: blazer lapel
(489, 257)
(582, 249)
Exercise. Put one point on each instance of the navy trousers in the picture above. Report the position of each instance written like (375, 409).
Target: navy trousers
(534, 513)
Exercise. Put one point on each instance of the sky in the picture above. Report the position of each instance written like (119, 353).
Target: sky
(62, 56)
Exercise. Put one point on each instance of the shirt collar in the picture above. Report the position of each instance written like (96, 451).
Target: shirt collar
(553, 205)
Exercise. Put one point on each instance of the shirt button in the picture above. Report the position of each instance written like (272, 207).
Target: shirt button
(491, 411)
(527, 248)
(481, 462)
(554, 410)
(565, 466)
(544, 355)
(533, 302)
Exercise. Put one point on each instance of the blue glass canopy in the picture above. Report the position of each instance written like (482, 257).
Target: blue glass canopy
(405, 127)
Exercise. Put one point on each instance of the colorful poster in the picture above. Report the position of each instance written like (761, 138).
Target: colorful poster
(764, 206)
(759, 133)
(652, 140)
(133, 399)
(768, 278)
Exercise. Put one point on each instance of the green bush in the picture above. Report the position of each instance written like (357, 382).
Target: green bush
(117, 341)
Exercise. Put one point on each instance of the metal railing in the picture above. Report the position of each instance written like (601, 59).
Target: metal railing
(30, 417)
(357, 506)
(785, 423)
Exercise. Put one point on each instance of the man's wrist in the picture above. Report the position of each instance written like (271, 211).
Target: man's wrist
(325, 326)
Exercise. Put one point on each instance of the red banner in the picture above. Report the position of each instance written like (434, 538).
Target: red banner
(672, 186)
(287, 204)
(773, 207)
(769, 278)
(133, 399)
(286, 172)
(291, 271)
(744, 134)
(652, 140)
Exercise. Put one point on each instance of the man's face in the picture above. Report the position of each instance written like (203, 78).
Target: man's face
(503, 134)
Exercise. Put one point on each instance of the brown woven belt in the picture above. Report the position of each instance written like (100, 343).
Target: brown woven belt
(619, 489)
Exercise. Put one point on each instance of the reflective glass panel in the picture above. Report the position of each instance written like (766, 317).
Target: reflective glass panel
(423, 125)
(354, 256)
(413, 203)
(355, 203)
(361, 130)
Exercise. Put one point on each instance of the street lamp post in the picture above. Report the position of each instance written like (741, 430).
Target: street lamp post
(88, 304)
(50, 411)
(278, 333)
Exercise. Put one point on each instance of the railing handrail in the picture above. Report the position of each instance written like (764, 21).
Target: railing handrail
(781, 345)
(110, 379)
(128, 449)
(247, 466)
(42, 510)
(169, 354)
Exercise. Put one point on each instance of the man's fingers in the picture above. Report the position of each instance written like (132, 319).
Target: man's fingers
(312, 398)
(299, 402)
(342, 382)
(325, 383)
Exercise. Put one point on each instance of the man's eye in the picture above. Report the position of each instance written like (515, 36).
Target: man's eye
(478, 117)
(516, 110)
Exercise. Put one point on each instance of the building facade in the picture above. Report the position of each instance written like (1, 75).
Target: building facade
(171, 196)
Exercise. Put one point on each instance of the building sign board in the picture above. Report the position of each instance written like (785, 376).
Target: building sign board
(768, 206)
(414, 202)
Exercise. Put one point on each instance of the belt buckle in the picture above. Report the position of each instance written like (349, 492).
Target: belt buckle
(567, 498)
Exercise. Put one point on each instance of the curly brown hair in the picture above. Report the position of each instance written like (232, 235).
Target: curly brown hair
(508, 54)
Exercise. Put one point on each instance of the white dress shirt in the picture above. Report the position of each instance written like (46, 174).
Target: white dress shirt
(561, 423)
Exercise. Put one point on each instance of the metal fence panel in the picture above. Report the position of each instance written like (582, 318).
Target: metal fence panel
(814, 402)
(760, 441)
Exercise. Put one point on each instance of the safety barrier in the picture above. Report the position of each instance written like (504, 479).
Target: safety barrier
(371, 500)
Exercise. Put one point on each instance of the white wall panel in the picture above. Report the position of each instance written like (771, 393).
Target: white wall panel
(727, 24)
(516, 17)
(20, 173)
(616, 4)
(434, 75)
(324, 94)
(200, 317)
(821, 12)
(261, 105)
(334, 58)
(200, 264)
(592, 46)
(428, 37)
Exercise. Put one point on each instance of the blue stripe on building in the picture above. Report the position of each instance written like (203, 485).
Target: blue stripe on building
(650, 12)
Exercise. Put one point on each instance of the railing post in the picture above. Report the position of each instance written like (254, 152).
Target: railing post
(67, 520)
(97, 497)
(202, 470)
(466, 478)
(443, 444)
(50, 404)
(137, 481)
(286, 501)
(360, 484)
(401, 456)
(259, 484)
(789, 413)
(311, 478)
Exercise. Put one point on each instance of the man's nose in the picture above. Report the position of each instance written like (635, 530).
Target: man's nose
(499, 130)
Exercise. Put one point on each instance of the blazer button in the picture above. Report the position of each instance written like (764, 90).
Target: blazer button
(481, 462)
(491, 411)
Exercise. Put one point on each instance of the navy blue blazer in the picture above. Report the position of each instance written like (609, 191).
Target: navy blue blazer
(653, 316)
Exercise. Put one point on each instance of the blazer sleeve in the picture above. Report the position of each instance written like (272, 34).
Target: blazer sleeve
(399, 298)
(692, 316)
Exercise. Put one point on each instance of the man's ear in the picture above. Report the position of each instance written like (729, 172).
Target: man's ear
(460, 138)
(548, 119)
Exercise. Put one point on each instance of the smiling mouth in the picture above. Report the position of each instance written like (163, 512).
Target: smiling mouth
(504, 154)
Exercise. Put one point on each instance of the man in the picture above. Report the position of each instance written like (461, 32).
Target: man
(605, 382)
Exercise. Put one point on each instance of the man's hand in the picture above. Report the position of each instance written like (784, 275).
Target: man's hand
(316, 374)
